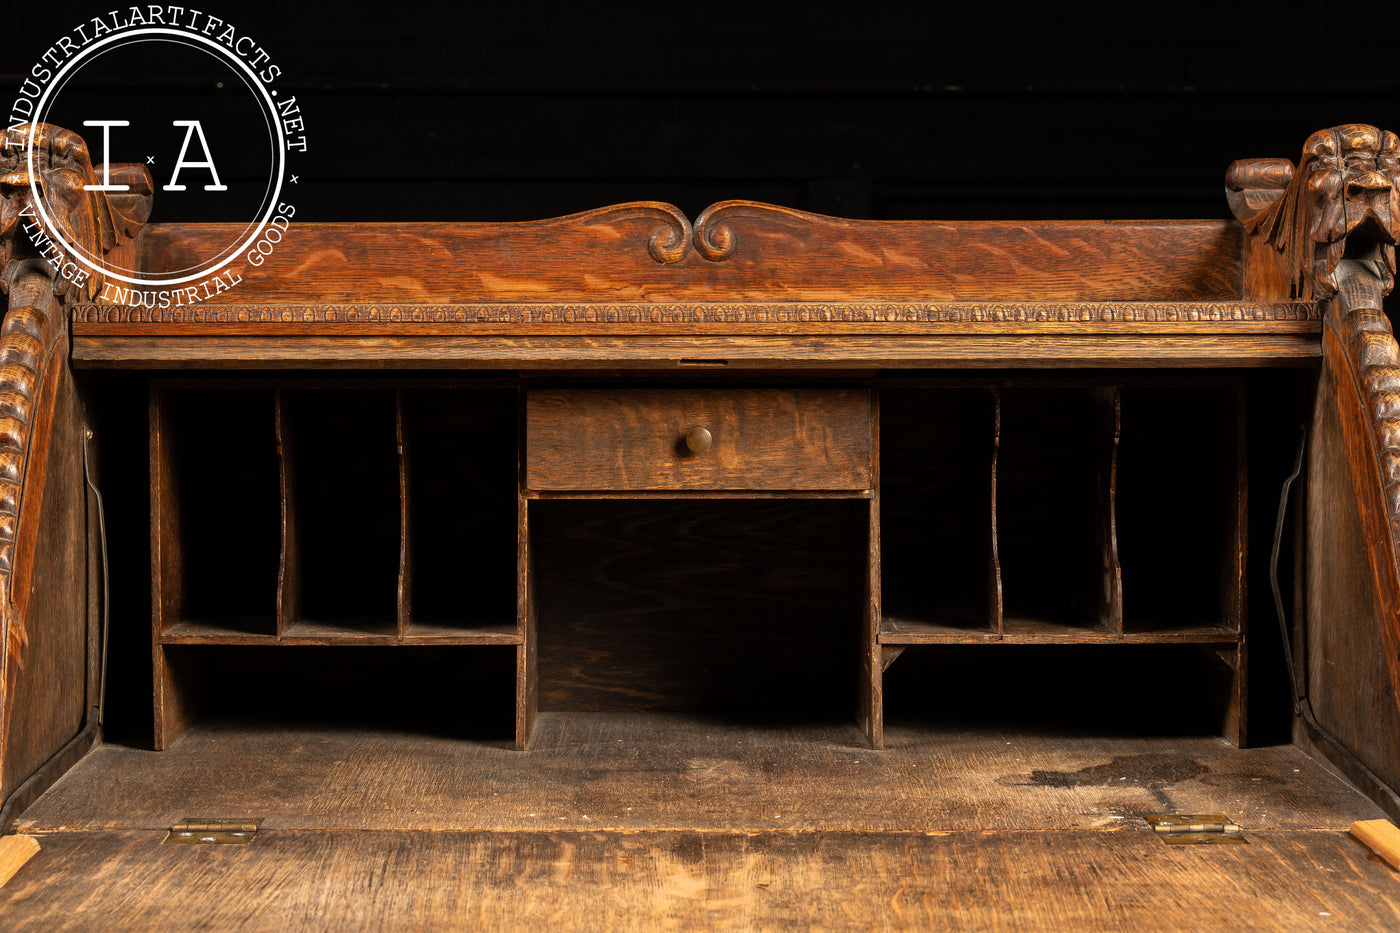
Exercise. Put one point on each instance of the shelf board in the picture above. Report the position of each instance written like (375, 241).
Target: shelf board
(308, 632)
(435, 633)
(902, 630)
(1036, 630)
(548, 494)
(1021, 631)
(324, 633)
(216, 633)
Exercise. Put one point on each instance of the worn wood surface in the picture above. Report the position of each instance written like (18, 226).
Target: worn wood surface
(653, 821)
(286, 880)
(754, 439)
(639, 771)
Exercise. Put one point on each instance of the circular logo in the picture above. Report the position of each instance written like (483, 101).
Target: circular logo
(204, 120)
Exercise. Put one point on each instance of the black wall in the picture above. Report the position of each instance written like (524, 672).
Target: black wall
(439, 111)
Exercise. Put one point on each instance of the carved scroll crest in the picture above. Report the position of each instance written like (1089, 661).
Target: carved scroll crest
(668, 243)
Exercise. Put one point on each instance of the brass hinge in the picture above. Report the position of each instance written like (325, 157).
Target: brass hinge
(1195, 829)
(192, 831)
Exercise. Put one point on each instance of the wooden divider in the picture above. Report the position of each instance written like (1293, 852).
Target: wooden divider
(1012, 513)
(288, 574)
(1054, 503)
(346, 535)
(405, 581)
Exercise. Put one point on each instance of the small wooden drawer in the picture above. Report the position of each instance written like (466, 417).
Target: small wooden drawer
(702, 439)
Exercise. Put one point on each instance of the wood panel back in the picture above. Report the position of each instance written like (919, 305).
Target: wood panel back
(620, 254)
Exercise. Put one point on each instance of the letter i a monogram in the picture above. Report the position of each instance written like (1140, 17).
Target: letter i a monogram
(106, 163)
(192, 127)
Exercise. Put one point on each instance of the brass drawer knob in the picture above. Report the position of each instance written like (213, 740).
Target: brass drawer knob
(698, 440)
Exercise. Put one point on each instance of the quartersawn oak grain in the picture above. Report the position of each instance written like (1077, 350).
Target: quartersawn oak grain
(780, 255)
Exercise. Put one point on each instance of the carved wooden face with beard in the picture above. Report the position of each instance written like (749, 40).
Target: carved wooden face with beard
(1346, 201)
(62, 170)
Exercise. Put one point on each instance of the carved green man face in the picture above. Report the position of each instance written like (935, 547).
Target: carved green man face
(1351, 176)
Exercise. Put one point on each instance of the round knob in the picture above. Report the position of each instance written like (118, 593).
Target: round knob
(698, 440)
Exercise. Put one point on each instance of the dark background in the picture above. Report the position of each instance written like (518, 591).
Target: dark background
(509, 111)
(435, 111)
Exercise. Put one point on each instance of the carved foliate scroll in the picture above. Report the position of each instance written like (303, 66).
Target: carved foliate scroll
(1343, 201)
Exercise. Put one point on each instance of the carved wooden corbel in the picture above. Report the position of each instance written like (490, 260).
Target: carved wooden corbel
(31, 267)
(1326, 232)
(41, 426)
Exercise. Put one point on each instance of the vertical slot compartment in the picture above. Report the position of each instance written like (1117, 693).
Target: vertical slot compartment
(937, 455)
(1053, 511)
(214, 468)
(1180, 508)
(461, 486)
(341, 483)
